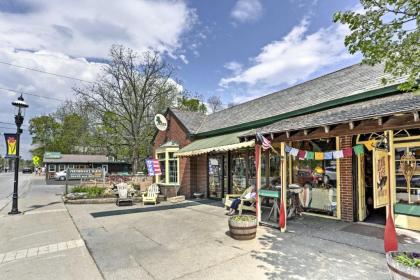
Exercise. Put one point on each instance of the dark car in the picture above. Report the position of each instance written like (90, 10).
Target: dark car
(27, 170)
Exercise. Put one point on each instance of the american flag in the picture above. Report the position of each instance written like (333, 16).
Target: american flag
(156, 167)
(266, 144)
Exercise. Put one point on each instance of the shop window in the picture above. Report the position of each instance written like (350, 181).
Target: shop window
(61, 167)
(162, 162)
(173, 169)
(274, 167)
(407, 192)
(317, 177)
(239, 183)
(51, 168)
(169, 164)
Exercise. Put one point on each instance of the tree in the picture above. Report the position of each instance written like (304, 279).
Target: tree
(215, 103)
(191, 105)
(125, 98)
(44, 131)
(386, 31)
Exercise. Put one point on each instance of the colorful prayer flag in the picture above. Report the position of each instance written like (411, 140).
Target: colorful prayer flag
(338, 154)
(328, 155)
(301, 154)
(287, 149)
(294, 152)
(358, 149)
(319, 156)
(310, 155)
(370, 145)
(348, 152)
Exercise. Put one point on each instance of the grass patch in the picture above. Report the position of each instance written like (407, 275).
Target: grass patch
(91, 192)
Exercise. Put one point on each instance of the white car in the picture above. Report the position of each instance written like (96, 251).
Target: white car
(61, 175)
(331, 172)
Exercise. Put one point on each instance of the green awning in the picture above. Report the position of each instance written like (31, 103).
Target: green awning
(222, 143)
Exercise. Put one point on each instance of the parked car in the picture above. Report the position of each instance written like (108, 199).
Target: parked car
(61, 175)
(331, 172)
(27, 170)
(307, 176)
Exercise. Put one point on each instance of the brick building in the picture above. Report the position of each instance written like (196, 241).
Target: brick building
(345, 138)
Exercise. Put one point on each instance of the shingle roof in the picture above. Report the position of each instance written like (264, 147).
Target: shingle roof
(350, 81)
(69, 158)
(191, 120)
(385, 106)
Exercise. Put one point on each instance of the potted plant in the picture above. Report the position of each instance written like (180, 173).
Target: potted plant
(403, 265)
(243, 227)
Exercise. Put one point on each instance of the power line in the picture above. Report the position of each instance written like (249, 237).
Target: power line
(31, 94)
(11, 123)
(45, 72)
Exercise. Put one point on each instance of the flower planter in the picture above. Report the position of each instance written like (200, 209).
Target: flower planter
(243, 227)
(400, 271)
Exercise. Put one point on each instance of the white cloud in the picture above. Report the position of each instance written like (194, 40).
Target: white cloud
(183, 58)
(247, 10)
(88, 28)
(292, 59)
(27, 81)
(234, 66)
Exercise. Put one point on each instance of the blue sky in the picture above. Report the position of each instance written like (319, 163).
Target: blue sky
(236, 49)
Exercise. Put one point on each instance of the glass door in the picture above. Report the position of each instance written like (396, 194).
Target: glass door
(216, 177)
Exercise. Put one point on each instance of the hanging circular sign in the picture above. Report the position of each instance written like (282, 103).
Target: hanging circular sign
(161, 122)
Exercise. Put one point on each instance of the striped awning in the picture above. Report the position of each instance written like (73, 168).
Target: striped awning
(222, 143)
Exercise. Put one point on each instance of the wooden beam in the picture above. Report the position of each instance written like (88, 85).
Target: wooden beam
(271, 136)
(351, 125)
(288, 134)
(327, 128)
(380, 121)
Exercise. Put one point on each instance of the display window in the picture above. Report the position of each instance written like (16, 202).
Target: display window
(407, 182)
(239, 169)
(169, 164)
(316, 177)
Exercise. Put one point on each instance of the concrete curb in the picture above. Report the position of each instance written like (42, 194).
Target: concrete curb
(96, 200)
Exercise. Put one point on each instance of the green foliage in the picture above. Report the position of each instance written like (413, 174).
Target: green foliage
(243, 218)
(407, 260)
(191, 105)
(386, 32)
(44, 131)
(91, 192)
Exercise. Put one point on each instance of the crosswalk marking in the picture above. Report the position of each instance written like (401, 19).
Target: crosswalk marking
(47, 249)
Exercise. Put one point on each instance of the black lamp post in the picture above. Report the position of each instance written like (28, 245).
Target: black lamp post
(20, 113)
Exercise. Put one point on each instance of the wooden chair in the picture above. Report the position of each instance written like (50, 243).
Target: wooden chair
(242, 206)
(151, 195)
(123, 196)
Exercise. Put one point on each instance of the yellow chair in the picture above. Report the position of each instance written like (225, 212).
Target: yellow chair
(242, 206)
(151, 195)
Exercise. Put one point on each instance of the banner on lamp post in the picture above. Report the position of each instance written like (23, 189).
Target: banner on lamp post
(11, 141)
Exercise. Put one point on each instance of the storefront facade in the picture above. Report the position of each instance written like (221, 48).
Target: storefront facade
(347, 109)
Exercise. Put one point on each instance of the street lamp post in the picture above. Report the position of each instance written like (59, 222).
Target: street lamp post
(20, 113)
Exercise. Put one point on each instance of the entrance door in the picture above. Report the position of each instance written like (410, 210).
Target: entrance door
(367, 212)
(216, 172)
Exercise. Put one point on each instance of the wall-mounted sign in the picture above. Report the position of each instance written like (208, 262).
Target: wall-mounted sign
(160, 122)
(381, 178)
(52, 155)
(88, 173)
(10, 144)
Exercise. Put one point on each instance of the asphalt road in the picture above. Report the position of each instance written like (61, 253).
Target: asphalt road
(6, 187)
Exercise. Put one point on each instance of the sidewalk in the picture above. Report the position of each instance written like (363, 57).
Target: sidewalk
(43, 242)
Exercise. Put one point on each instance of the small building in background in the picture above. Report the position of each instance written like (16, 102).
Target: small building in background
(55, 162)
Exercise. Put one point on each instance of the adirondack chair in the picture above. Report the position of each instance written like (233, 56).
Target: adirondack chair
(151, 195)
(242, 206)
(123, 196)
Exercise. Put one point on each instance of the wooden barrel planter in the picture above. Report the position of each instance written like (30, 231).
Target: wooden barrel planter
(243, 227)
(400, 271)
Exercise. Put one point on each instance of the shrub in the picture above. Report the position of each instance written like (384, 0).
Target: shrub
(91, 192)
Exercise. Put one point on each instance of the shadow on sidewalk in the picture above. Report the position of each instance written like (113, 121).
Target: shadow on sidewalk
(186, 204)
